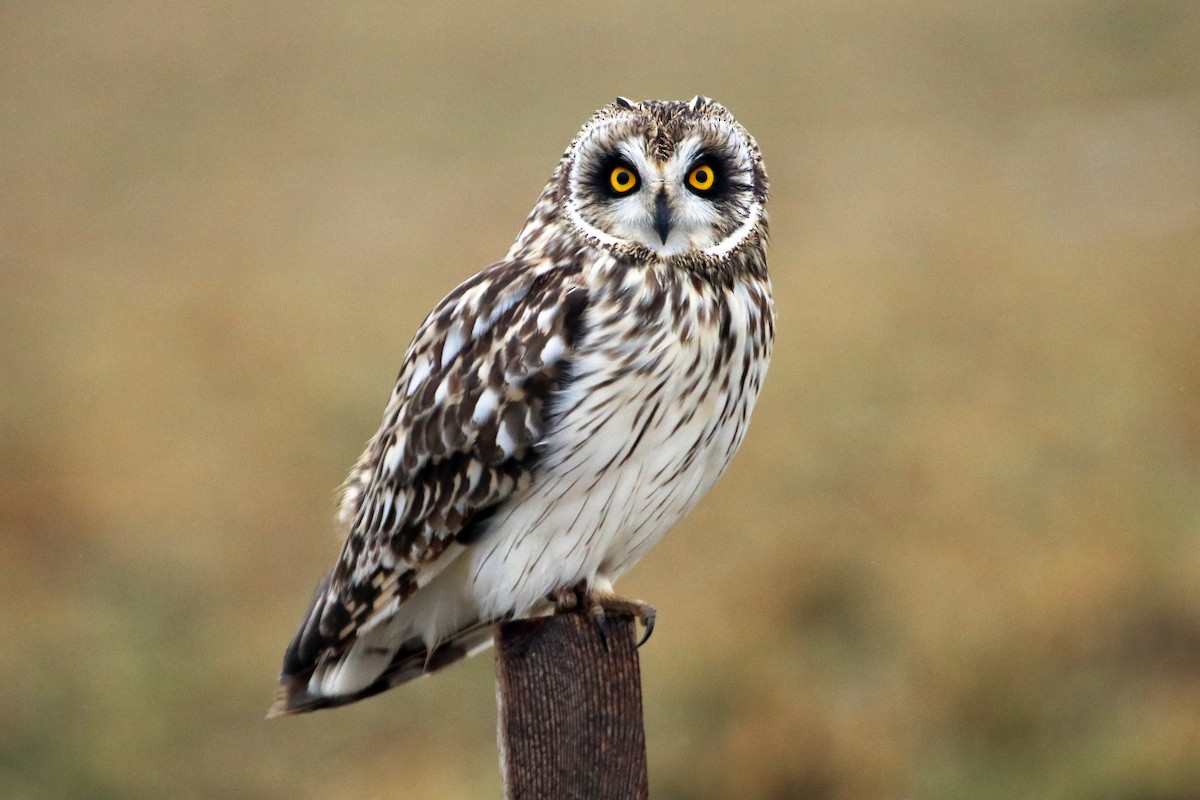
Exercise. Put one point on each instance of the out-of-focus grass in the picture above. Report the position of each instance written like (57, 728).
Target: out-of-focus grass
(959, 556)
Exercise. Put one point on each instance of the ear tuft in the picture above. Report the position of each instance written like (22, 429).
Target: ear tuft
(623, 102)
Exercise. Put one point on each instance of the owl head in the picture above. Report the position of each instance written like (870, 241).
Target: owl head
(671, 179)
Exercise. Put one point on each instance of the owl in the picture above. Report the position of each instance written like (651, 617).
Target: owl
(559, 411)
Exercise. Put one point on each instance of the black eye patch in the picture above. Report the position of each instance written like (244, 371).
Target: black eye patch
(709, 176)
(614, 176)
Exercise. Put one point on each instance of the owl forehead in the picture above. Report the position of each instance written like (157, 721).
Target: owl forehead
(640, 140)
(641, 153)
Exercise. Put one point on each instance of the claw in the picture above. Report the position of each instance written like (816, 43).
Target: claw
(598, 604)
(598, 614)
(647, 616)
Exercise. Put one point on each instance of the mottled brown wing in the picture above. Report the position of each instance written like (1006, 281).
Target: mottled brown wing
(457, 438)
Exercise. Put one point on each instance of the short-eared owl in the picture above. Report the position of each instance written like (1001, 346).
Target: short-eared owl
(558, 412)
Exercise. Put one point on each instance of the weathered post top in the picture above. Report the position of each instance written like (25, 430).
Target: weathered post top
(570, 709)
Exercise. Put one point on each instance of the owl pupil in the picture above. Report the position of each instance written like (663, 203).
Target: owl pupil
(622, 180)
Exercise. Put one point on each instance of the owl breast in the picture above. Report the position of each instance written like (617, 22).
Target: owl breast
(657, 403)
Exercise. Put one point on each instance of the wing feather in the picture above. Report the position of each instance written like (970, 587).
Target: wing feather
(457, 439)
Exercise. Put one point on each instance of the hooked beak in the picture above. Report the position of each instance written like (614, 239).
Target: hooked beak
(662, 217)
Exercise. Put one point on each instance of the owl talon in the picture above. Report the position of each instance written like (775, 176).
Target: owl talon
(647, 618)
(601, 619)
(642, 612)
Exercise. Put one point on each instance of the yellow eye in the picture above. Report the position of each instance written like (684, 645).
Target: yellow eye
(701, 178)
(622, 180)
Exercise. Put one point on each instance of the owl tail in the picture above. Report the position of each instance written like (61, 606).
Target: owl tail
(333, 661)
(411, 660)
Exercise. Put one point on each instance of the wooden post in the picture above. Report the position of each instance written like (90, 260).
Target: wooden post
(570, 722)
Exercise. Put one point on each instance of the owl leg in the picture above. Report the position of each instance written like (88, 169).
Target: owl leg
(599, 600)
(600, 604)
(568, 599)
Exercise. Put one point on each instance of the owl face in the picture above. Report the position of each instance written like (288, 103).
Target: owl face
(673, 178)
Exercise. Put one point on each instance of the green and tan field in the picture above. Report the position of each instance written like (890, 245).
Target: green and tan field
(959, 556)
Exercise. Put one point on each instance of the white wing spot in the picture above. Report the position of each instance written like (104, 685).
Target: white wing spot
(452, 345)
(443, 390)
(553, 350)
(506, 443)
(485, 407)
(546, 318)
(474, 473)
(393, 455)
(420, 372)
(482, 324)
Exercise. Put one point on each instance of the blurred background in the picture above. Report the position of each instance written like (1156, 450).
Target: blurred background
(959, 555)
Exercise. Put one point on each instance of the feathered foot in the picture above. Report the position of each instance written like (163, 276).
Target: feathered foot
(600, 602)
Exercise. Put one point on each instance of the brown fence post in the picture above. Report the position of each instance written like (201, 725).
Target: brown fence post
(570, 703)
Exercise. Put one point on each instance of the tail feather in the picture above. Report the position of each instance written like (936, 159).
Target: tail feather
(413, 660)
